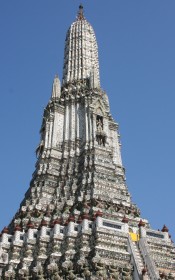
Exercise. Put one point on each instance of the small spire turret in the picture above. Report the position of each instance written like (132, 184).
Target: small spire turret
(56, 88)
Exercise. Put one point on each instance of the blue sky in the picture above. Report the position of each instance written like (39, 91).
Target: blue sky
(137, 67)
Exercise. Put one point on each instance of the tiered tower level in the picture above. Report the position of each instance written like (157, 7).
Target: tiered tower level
(77, 220)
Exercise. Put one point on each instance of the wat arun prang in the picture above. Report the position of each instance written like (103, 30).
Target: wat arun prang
(77, 220)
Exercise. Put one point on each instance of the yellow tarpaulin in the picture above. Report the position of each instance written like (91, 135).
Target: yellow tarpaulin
(134, 236)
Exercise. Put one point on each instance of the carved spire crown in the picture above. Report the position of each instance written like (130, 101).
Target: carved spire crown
(81, 53)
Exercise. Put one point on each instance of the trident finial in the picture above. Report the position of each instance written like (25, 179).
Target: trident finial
(80, 15)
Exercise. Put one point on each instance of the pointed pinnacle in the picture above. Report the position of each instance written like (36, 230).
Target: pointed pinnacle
(80, 15)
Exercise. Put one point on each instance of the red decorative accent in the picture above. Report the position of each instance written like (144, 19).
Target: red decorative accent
(5, 230)
(141, 223)
(57, 221)
(85, 216)
(71, 219)
(165, 229)
(99, 213)
(125, 220)
(144, 271)
(30, 225)
(43, 223)
(79, 220)
(17, 228)
(66, 223)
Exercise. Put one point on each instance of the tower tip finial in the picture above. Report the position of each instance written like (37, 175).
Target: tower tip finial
(80, 15)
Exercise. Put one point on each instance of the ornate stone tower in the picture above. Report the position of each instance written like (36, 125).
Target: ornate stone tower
(77, 220)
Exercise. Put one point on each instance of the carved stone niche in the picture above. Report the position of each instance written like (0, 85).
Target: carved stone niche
(3, 257)
(100, 134)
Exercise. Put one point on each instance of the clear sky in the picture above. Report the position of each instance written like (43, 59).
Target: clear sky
(137, 68)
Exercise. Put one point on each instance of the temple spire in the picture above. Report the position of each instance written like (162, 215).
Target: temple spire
(77, 219)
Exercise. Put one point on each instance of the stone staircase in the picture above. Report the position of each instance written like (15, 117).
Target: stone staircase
(138, 262)
(139, 259)
(149, 262)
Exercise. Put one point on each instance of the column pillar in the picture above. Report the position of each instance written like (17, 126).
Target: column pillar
(50, 134)
(67, 121)
(86, 121)
(47, 135)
